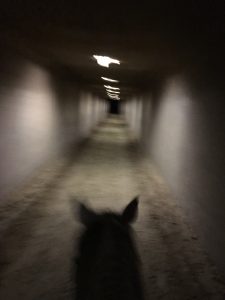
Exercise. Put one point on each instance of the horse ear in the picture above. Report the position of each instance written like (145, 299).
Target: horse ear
(130, 212)
(86, 215)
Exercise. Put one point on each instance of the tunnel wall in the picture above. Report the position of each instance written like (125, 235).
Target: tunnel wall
(182, 130)
(40, 116)
(133, 113)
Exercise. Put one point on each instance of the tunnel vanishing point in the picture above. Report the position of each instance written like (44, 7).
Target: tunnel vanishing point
(101, 102)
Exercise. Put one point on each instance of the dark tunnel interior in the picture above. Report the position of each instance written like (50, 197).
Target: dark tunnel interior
(114, 107)
(150, 122)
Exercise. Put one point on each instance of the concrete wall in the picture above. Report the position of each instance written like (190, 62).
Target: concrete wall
(40, 115)
(133, 110)
(182, 130)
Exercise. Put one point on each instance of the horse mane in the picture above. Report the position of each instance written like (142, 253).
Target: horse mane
(107, 266)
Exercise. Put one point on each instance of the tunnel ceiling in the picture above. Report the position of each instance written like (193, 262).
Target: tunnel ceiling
(151, 39)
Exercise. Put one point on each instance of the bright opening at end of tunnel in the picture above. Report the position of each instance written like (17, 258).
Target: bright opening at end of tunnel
(109, 79)
(105, 61)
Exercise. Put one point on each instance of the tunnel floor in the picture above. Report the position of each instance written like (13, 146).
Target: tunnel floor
(39, 226)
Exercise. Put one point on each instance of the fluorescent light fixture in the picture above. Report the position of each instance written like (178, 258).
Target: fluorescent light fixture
(109, 79)
(111, 87)
(105, 61)
(114, 96)
(111, 91)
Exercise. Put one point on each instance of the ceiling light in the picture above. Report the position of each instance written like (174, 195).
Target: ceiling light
(113, 94)
(116, 92)
(111, 87)
(108, 79)
(105, 61)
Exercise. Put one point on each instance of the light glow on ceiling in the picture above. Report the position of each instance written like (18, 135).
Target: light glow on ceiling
(105, 61)
(109, 79)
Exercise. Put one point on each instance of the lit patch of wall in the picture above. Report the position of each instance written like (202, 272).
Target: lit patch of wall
(132, 111)
(39, 118)
(183, 132)
(91, 110)
(170, 127)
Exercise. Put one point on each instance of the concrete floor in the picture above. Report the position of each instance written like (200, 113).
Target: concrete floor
(39, 226)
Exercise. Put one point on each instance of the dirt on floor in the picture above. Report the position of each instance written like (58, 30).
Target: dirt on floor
(39, 225)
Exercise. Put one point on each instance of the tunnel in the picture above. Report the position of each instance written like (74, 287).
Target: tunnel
(101, 102)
